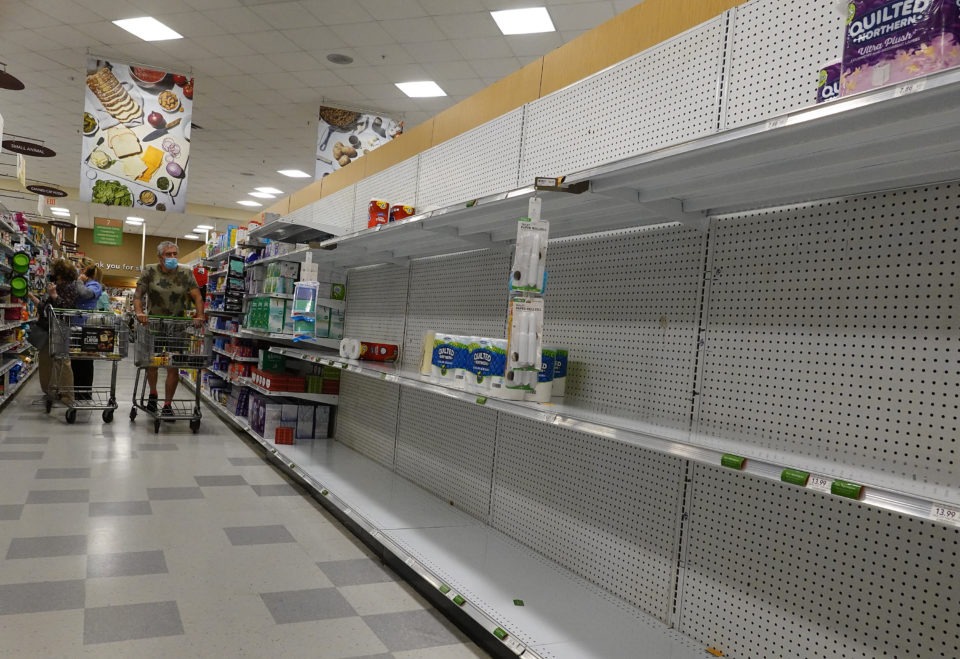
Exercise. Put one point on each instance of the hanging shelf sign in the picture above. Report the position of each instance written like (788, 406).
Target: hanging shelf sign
(46, 190)
(29, 149)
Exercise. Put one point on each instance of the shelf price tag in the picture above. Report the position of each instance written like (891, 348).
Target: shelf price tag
(481, 400)
(458, 600)
(819, 483)
(795, 477)
(500, 633)
(845, 489)
(444, 588)
(946, 514)
(911, 88)
(779, 122)
(733, 461)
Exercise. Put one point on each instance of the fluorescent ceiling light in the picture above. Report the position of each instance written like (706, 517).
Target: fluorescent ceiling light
(523, 21)
(135, 222)
(204, 227)
(269, 190)
(59, 210)
(148, 28)
(293, 173)
(421, 89)
(262, 195)
(247, 202)
(190, 236)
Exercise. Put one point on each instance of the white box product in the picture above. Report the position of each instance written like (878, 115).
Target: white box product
(321, 422)
(305, 414)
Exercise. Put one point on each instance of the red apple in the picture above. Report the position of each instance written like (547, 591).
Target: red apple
(188, 89)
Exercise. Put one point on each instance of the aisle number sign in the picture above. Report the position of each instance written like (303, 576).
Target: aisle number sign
(107, 232)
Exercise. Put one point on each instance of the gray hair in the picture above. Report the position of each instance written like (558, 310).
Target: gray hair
(165, 244)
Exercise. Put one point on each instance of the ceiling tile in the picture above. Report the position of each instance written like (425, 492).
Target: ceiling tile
(404, 73)
(269, 41)
(194, 24)
(293, 61)
(277, 80)
(237, 20)
(364, 34)
(535, 45)
(23, 15)
(362, 75)
(64, 36)
(463, 87)
(318, 38)
(491, 48)
(106, 33)
(213, 4)
(217, 67)
(473, 25)
(581, 16)
(285, 15)
(391, 10)
(445, 71)
(495, 68)
(336, 12)
(341, 93)
(226, 45)
(64, 12)
(318, 78)
(436, 51)
(414, 30)
(383, 54)
(108, 9)
(441, 7)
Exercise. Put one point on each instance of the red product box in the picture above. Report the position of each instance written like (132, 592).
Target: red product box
(283, 435)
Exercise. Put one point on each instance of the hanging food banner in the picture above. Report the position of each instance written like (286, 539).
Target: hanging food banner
(136, 136)
(345, 135)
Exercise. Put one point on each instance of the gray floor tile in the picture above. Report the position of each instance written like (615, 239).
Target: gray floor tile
(219, 481)
(58, 496)
(26, 440)
(21, 455)
(11, 512)
(356, 572)
(119, 508)
(258, 535)
(7, 427)
(127, 564)
(46, 546)
(173, 493)
(414, 630)
(158, 447)
(113, 454)
(303, 605)
(42, 596)
(279, 490)
(247, 462)
(73, 472)
(109, 624)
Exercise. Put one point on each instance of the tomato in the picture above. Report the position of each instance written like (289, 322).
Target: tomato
(179, 80)
(188, 89)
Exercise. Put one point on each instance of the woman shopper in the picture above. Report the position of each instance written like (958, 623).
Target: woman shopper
(62, 293)
(88, 293)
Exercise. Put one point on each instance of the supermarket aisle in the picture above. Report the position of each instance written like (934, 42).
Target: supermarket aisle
(116, 542)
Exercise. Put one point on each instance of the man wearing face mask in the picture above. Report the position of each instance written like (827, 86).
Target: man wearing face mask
(167, 288)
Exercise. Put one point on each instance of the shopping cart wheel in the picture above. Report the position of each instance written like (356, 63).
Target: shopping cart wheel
(156, 426)
(195, 425)
(133, 414)
(71, 415)
(49, 405)
(107, 416)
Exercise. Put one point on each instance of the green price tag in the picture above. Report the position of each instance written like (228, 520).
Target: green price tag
(482, 400)
(795, 477)
(518, 602)
(324, 492)
(845, 489)
(500, 633)
(733, 461)
(459, 601)
(444, 588)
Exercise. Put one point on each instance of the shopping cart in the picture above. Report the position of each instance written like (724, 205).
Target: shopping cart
(85, 336)
(170, 343)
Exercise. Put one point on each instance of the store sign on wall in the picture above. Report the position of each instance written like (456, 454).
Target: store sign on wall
(28, 148)
(107, 232)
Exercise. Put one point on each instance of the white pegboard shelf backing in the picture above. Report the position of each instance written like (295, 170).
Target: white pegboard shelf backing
(447, 448)
(777, 49)
(368, 429)
(471, 164)
(607, 511)
(395, 185)
(833, 334)
(664, 95)
(376, 304)
(780, 572)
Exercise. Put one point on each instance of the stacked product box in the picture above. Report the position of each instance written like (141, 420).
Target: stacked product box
(278, 381)
(326, 381)
(307, 421)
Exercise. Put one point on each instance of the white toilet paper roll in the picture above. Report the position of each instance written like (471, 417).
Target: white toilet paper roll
(511, 379)
(542, 394)
(350, 348)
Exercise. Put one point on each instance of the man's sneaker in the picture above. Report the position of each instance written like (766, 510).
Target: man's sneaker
(152, 403)
(167, 412)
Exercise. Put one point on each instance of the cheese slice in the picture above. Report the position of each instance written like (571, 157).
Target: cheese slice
(133, 167)
(152, 158)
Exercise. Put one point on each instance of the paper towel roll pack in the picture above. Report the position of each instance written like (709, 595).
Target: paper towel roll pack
(525, 325)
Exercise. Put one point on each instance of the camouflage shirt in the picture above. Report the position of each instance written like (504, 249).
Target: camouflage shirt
(167, 293)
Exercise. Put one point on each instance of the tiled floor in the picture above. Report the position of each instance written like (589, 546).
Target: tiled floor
(117, 542)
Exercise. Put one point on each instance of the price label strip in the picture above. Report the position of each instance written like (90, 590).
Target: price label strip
(942, 513)
(819, 483)
(911, 88)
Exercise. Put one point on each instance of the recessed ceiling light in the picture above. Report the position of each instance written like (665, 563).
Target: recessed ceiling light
(262, 195)
(523, 21)
(269, 190)
(204, 227)
(148, 28)
(247, 202)
(190, 236)
(292, 173)
(421, 89)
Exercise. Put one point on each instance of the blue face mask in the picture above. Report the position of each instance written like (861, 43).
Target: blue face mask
(170, 263)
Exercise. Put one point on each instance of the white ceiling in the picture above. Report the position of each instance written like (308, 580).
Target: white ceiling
(261, 72)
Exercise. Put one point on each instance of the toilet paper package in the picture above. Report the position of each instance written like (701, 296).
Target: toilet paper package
(525, 332)
(828, 82)
(450, 355)
(488, 360)
(426, 353)
(891, 41)
(544, 387)
(560, 372)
